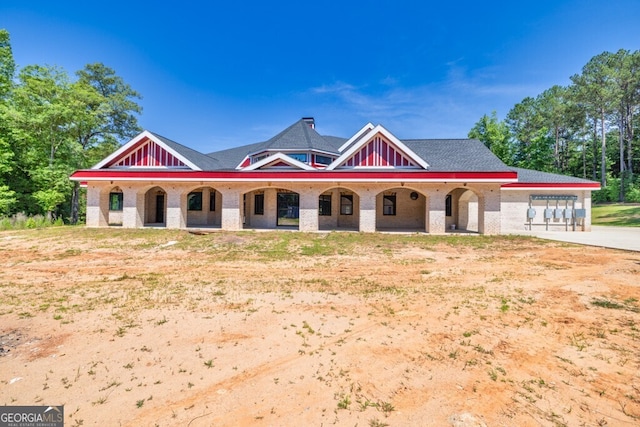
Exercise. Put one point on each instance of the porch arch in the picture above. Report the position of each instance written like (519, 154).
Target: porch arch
(155, 207)
(463, 207)
(343, 212)
(270, 208)
(401, 209)
(202, 207)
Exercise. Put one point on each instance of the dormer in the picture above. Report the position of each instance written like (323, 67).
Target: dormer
(314, 159)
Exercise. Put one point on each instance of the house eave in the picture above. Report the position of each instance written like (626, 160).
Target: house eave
(551, 186)
(296, 176)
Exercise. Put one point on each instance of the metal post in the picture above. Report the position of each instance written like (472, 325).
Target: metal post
(546, 220)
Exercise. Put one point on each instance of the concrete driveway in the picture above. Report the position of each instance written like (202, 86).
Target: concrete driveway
(626, 238)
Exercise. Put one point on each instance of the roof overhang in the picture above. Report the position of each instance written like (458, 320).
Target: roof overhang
(142, 136)
(552, 186)
(366, 134)
(295, 176)
(277, 158)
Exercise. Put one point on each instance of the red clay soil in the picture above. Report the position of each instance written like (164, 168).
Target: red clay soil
(173, 329)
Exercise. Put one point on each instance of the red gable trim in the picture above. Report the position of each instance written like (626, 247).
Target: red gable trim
(379, 153)
(308, 176)
(146, 154)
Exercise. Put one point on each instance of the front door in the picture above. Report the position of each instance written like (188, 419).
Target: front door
(160, 208)
(288, 209)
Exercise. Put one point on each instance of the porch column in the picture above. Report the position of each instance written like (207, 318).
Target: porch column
(586, 204)
(231, 214)
(176, 210)
(367, 211)
(97, 208)
(132, 208)
(308, 210)
(489, 212)
(436, 214)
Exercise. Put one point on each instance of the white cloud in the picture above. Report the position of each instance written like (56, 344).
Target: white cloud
(446, 109)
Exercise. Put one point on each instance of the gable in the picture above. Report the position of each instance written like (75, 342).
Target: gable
(146, 151)
(377, 148)
(277, 160)
(379, 153)
(148, 154)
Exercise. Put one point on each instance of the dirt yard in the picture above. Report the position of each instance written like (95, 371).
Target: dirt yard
(167, 328)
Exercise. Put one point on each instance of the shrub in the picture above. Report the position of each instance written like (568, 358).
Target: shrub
(20, 221)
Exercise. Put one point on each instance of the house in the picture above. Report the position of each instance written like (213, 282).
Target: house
(372, 181)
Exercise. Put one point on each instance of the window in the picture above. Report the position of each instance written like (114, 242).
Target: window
(302, 157)
(389, 205)
(346, 204)
(256, 159)
(324, 205)
(258, 204)
(194, 201)
(323, 160)
(447, 205)
(212, 201)
(115, 201)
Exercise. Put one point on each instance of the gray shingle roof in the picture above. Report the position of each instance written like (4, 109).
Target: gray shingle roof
(529, 176)
(298, 136)
(442, 155)
(231, 157)
(203, 161)
(456, 155)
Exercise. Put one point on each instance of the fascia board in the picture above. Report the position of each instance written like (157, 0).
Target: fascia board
(123, 149)
(278, 157)
(364, 129)
(136, 140)
(402, 146)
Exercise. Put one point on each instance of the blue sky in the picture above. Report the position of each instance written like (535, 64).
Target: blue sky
(218, 74)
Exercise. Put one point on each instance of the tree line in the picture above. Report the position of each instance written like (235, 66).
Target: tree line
(588, 129)
(52, 125)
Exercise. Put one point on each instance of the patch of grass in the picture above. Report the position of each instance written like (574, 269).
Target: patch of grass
(386, 407)
(628, 304)
(619, 215)
(344, 402)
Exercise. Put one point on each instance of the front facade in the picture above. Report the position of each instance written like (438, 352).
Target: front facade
(302, 180)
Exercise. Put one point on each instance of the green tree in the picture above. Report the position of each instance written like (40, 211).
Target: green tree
(623, 69)
(41, 111)
(532, 148)
(563, 119)
(594, 92)
(110, 117)
(7, 73)
(495, 135)
(7, 64)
